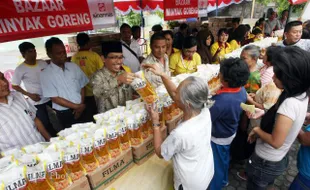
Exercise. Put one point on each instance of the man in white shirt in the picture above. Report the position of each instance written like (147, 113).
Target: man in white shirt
(19, 125)
(64, 83)
(293, 33)
(271, 23)
(29, 73)
(132, 53)
(136, 36)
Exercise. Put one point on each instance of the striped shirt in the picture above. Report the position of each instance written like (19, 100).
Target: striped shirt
(17, 127)
(266, 74)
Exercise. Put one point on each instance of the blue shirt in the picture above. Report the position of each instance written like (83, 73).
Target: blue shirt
(226, 111)
(303, 161)
(66, 83)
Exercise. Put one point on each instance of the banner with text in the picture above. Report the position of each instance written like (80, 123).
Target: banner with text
(20, 19)
(180, 9)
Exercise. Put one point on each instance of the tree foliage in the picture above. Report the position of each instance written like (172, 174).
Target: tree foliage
(283, 5)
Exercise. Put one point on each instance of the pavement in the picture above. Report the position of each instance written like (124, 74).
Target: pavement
(281, 183)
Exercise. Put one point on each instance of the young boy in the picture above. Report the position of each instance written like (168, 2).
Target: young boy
(225, 116)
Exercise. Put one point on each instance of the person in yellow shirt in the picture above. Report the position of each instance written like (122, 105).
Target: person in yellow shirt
(221, 47)
(89, 62)
(239, 37)
(169, 40)
(187, 60)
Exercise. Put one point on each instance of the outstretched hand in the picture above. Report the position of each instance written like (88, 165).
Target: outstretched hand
(153, 68)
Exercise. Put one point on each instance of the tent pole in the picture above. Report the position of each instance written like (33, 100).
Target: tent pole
(290, 10)
(217, 3)
(253, 6)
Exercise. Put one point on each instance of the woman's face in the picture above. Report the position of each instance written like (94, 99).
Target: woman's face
(277, 82)
(169, 40)
(190, 52)
(223, 37)
(208, 40)
(247, 58)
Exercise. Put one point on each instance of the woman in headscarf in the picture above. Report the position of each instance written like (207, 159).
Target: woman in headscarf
(204, 41)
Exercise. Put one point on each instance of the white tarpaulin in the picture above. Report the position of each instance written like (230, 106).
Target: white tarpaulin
(306, 12)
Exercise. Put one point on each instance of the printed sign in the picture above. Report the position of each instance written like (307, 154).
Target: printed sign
(180, 9)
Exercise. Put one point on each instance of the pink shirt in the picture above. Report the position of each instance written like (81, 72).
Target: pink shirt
(266, 74)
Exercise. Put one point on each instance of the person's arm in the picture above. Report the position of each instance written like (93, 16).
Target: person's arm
(158, 140)
(34, 97)
(282, 127)
(65, 103)
(251, 101)
(304, 138)
(41, 129)
(172, 64)
(82, 95)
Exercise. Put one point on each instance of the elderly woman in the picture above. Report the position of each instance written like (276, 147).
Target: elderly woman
(221, 47)
(189, 144)
(250, 55)
(187, 60)
(281, 124)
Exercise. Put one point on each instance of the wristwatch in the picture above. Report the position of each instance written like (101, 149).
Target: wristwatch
(156, 125)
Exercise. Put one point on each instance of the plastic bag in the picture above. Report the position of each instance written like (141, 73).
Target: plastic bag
(113, 141)
(144, 88)
(123, 132)
(133, 123)
(57, 174)
(101, 146)
(14, 177)
(37, 177)
(5, 162)
(73, 163)
(144, 127)
(88, 159)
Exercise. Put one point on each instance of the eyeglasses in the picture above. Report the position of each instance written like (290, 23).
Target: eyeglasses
(116, 57)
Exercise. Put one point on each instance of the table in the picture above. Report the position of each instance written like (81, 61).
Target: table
(154, 174)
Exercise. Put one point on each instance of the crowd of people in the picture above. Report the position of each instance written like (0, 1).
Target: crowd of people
(213, 131)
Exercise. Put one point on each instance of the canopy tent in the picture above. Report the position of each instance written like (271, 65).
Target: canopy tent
(296, 2)
(217, 4)
(125, 6)
(306, 12)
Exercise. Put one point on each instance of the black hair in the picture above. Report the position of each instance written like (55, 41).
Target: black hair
(157, 28)
(284, 12)
(257, 31)
(240, 33)
(222, 30)
(52, 41)
(125, 25)
(248, 27)
(189, 42)
(291, 66)
(270, 51)
(194, 30)
(23, 47)
(305, 34)
(183, 26)
(168, 32)
(82, 39)
(259, 22)
(236, 20)
(235, 72)
(135, 29)
(157, 36)
(292, 24)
